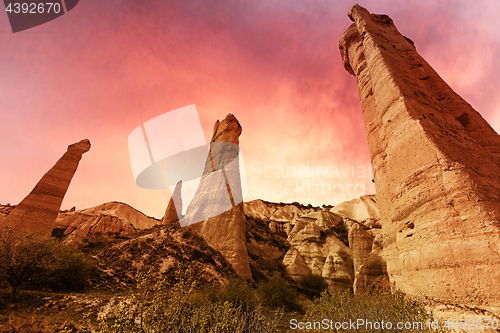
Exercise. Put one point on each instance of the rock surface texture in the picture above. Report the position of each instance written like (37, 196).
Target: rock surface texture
(108, 220)
(174, 207)
(220, 186)
(38, 211)
(437, 169)
(336, 246)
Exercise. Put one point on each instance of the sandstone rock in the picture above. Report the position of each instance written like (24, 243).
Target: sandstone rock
(437, 168)
(338, 272)
(112, 219)
(360, 243)
(257, 209)
(324, 219)
(359, 209)
(38, 211)
(295, 265)
(4, 211)
(373, 273)
(220, 191)
(277, 212)
(310, 230)
(174, 208)
(298, 225)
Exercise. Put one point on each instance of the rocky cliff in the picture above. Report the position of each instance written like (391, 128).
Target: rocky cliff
(437, 165)
(108, 220)
(38, 211)
(339, 243)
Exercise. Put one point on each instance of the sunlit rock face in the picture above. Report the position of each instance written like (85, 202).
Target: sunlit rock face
(38, 211)
(437, 169)
(216, 210)
(174, 207)
(108, 220)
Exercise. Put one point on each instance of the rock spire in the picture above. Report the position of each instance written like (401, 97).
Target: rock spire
(38, 211)
(437, 168)
(216, 210)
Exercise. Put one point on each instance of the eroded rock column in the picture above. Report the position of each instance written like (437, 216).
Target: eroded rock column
(38, 211)
(217, 202)
(437, 168)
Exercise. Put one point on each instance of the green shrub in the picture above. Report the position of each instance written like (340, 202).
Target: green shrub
(316, 284)
(377, 306)
(276, 292)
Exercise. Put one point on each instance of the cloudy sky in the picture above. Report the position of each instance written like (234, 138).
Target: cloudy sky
(106, 67)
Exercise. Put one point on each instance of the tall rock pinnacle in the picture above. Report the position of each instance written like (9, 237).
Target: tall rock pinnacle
(38, 211)
(217, 202)
(437, 168)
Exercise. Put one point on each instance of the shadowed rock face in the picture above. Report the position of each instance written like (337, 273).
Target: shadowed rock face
(220, 186)
(437, 169)
(38, 211)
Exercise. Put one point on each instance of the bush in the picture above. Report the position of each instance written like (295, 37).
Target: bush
(277, 293)
(68, 271)
(271, 265)
(237, 292)
(377, 306)
(36, 262)
(313, 283)
(23, 257)
(154, 307)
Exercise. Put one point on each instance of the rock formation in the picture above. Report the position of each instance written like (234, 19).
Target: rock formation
(280, 216)
(359, 209)
(437, 168)
(360, 243)
(216, 210)
(111, 219)
(4, 211)
(174, 207)
(372, 272)
(38, 211)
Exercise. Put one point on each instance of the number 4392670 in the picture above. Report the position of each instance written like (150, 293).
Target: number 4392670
(33, 8)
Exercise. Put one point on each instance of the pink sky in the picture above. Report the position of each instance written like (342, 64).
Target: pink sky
(104, 68)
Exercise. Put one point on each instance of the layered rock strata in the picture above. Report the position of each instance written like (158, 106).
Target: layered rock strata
(437, 168)
(317, 248)
(219, 198)
(38, 211)
(108, 220)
